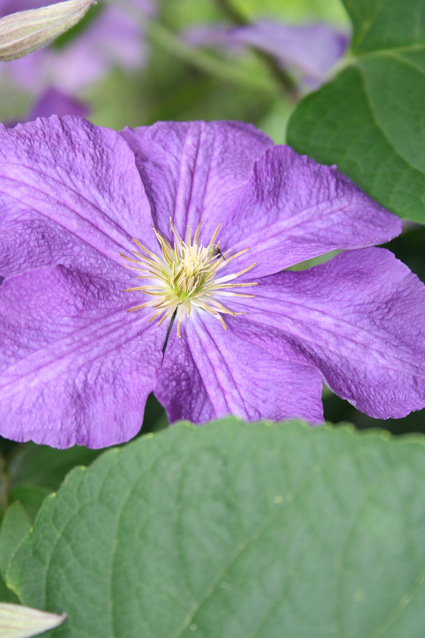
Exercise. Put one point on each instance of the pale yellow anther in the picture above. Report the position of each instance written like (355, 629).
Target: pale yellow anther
(186, 277)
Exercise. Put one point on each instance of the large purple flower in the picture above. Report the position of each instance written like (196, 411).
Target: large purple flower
(249, 337)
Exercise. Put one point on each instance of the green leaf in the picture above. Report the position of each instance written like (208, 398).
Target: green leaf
(6, 595)
(30, 497)
(45, 466)
(235, 530)
(41, 466)
(15, 526)
(370, 119)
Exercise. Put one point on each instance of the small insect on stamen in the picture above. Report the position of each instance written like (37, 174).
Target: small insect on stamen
(215, 252)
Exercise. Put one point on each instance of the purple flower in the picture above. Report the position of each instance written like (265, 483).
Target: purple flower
(113, 38)
(54, 102)
(310, 50)
(217, 213)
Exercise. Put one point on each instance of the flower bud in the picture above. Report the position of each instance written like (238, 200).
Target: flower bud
(23, 32)
(17, 621)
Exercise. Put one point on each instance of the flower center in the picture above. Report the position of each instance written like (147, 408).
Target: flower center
(186, 277)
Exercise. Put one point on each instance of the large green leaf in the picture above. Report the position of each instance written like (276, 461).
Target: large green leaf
(370, 120)
(235, 530)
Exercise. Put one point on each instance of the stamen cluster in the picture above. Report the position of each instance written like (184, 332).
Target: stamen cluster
(184, 278)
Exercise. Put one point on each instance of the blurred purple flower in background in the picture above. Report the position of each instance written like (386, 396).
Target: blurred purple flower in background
(308, 50)
(112, 38)
(53, 102)
(249, 337)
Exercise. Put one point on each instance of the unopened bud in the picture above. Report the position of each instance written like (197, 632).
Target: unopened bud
(23, 32)
(17, 621)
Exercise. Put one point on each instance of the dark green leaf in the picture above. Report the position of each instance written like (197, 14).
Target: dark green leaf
(30, 497)
(235, 530)
(6, 595)
(15, 526)
(370, 119)
(45, 466)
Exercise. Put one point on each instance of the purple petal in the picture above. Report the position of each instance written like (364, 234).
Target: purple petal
(113, 39)
(69, 193)
(179, 385)
(12, 6)
(194, 170)
(30, 72)
(53, 102)
(291, 208)
(359, 319)
(26, 72)
(117, 37)
(148, 7)
(294, 209)
(309, 50)
(214, 372)
(74, 366)
(313, 49)
(217, 35)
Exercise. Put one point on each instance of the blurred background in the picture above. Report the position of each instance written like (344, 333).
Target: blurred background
(133, 62)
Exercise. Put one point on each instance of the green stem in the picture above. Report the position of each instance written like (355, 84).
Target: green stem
(284, 79)
(231, 12)
(162, 37)
(173, 44)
